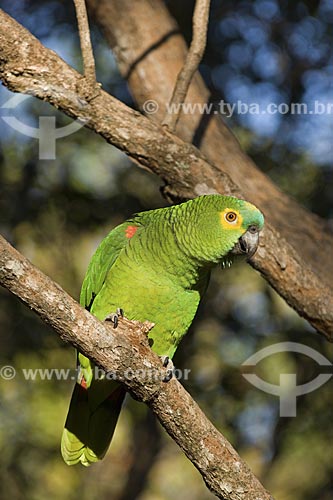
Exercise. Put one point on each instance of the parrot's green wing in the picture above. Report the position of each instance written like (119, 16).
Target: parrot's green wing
(96, 402)
(103, 259)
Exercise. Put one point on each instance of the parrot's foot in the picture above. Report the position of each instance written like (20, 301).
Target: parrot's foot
(168, 364)
(114, 317)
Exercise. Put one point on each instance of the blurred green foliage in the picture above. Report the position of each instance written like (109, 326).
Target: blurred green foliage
(56, 212)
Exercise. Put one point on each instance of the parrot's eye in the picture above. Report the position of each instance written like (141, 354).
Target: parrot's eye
(230, 217)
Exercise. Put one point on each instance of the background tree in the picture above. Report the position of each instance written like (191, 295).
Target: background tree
(56, 213)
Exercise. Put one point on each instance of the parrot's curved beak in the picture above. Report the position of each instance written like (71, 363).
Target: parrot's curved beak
(247, 244)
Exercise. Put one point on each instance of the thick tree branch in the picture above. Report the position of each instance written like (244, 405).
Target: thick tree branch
(193, 58)
(27, 66)
(124, 348)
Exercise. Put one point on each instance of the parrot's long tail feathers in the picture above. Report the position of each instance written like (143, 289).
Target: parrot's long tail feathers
(91, 421)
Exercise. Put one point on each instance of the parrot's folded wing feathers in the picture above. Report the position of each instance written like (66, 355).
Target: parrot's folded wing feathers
(96, 403)
(103, 259)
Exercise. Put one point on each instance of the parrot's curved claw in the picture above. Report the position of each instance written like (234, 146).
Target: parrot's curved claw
(168, 364)
(114, 317)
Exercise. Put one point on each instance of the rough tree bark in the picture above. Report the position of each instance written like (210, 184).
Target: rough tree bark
(291, 268)
(117, 350)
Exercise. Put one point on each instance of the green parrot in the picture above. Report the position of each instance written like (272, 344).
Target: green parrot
(156, 267)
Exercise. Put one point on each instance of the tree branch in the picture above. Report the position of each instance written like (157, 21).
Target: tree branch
(89, 85)
(29, 67)
(124, 348)
(193, 58)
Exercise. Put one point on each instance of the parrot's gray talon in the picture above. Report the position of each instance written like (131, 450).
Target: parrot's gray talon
(165, 360)
(168, 364)
(114, 318)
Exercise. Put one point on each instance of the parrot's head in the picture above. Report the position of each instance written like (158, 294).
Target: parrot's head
(230, 227)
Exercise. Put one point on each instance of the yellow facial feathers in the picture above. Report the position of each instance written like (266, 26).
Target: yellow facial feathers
(231, 219)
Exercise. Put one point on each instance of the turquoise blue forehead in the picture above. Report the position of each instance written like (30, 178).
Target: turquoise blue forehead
(251, 215)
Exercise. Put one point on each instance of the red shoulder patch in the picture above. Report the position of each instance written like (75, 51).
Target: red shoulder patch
(130, 231)
(83, 383)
